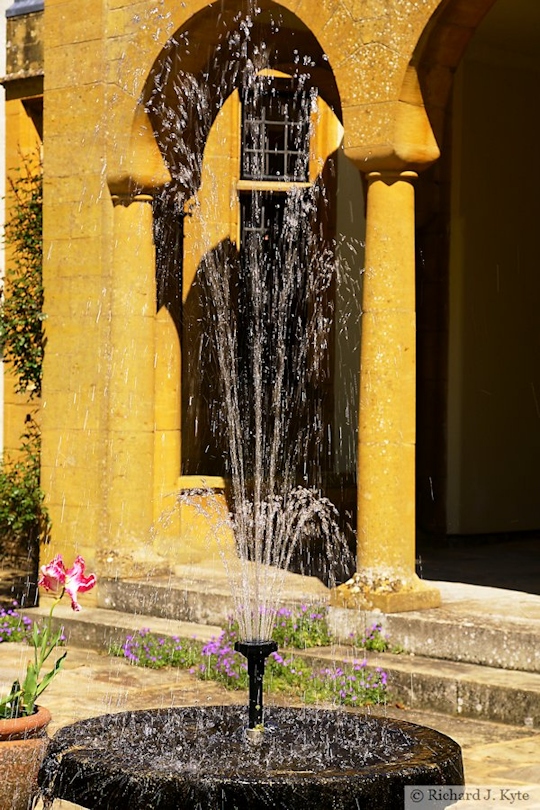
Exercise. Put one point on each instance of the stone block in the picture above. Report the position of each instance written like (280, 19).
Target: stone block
(425, 690)
(375, 122)
(75, 528)
(326, 9)
(24, 45)
(84, 191)
(75, 65)
(77, 297)
(81, 257)
(340, 28)
(177, 603)
(82, 481)
(76, 21)
(372, 29)
(367, 9)
(71, 221)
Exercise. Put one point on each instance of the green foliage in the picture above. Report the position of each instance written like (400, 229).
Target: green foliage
(23, 517)
(21, 308)
(21, 700)
(217, 660)
(374, 640)
(146, 649)
(13, 625)
(302, 629)
(351, 685)
(24, 520)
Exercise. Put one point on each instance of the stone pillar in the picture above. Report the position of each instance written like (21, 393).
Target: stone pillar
(168, 376)
(387, 419)
(386, 432)
(130, 430)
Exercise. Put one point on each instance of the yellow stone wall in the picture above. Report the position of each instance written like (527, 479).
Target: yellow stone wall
(110, 411)
(78, 268)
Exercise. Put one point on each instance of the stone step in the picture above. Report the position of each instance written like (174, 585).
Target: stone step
(418, 682)
(196, 594)
(486, 626)
(449, 687)
(499, 642)
(99, 629)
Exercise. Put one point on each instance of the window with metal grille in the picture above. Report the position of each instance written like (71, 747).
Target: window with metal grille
(275, 131)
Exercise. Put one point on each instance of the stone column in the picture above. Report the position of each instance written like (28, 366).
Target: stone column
(387, 418)
(131, 386)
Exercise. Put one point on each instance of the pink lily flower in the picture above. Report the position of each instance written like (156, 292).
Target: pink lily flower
(57, 579)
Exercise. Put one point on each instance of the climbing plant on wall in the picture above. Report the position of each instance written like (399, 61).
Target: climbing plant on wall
(21, 308)
(24, 520)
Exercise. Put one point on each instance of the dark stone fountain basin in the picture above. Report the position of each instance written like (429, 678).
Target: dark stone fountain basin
(305, 759)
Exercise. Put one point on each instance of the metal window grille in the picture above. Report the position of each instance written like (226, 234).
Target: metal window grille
(275, 132)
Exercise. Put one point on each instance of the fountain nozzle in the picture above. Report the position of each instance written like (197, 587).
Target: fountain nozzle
(256, 653)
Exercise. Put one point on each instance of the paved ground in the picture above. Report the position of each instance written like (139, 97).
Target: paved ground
(94, 684)
(494, 755)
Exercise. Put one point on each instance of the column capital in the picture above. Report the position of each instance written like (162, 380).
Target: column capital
(391, 175)
(126, 198)
(395, 134)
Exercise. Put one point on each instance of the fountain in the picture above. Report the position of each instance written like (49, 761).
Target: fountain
(267, 340)
(201, 758)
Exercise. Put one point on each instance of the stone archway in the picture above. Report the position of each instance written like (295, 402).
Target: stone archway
(439, 51)
(390, 96)
(192, 104)
(188, 83)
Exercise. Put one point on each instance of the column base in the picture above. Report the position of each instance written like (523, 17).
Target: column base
(132, 564)
(371, 590)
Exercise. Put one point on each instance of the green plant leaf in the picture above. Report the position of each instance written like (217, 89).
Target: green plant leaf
(22, 340)
(29, 688)
(45, 681)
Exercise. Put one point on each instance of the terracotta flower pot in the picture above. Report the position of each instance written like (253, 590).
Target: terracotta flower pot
(23, 742)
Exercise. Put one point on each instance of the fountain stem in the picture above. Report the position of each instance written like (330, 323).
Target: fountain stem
(256, 653)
